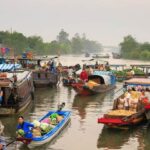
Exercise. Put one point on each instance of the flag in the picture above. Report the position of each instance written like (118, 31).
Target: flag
(4, 50)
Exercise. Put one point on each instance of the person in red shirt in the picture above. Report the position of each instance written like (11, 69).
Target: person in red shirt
(84, 75)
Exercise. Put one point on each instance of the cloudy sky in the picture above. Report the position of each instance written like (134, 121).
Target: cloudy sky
(106, 21)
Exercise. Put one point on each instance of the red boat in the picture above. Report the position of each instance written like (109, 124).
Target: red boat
(127, 118)
(99, 82)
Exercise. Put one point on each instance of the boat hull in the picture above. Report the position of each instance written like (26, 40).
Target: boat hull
(121, 124)
(83, 90)
(44, 79)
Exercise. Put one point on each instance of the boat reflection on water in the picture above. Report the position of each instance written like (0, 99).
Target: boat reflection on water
(117, 139)
(113, 139)
(81, 103)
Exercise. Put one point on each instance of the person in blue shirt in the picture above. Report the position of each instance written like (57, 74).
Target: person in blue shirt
(25, 126)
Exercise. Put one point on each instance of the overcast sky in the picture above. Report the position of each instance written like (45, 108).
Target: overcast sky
(106, 21)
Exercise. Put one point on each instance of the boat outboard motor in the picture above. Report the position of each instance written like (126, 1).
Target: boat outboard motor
(61, 106)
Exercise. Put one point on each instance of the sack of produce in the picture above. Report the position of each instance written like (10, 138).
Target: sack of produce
(59, 118)
(120, 106)
(45, 128)
(46, 120)
(121, 101)
(36, 132)
(91, 84)
(53, 116)
(36, 123)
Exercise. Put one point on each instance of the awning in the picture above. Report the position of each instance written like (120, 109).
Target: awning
(9, 67)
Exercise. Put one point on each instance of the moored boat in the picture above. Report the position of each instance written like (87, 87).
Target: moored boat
(98, 82)
(17, 88)
(44, 78)
(48, 137)
(120, 116)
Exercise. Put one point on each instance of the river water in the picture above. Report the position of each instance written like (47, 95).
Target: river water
(83, 132)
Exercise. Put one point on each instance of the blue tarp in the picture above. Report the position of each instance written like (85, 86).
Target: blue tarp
(9, 67)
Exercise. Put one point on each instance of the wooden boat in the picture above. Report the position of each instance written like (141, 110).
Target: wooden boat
(48, 137)
(44, 78)
(116, 55)
(18, 90)
(137, 117)
(100, 56)
(104, 80)
(41, 77)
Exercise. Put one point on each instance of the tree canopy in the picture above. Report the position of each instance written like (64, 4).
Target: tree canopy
(61, 45)
(131, 49)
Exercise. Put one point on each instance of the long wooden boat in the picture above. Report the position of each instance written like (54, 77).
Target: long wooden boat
(48, 137)
(105, 81)
(18, 91)
(41, 77)
(133, 118)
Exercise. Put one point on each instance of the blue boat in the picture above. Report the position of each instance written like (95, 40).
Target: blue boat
(48, 137)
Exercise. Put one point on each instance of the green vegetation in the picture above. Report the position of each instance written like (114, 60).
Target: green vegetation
(62, 45)
(125, 72)
(131, 49)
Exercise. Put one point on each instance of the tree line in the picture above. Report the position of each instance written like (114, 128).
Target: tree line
(132, 49)
(61, 45)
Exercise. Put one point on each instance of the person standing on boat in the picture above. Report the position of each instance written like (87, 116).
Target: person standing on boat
(84, 75)
(127, 100)
(1, 96)
(25, 126)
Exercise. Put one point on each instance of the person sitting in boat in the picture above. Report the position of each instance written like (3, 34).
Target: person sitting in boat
(84, 75)
(24, 128)
(1, 96)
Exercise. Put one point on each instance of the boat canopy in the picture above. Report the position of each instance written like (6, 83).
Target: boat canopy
(100, 73)
(9, 67)
(103, 77)
(138, 81)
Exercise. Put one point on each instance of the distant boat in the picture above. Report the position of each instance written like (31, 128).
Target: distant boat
(87, 54)
(116, 55)
(101, 56)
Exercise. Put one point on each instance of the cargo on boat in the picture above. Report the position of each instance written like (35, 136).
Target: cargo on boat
(130, 108)
(44, 138)
(17, 89)
(98, 82)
